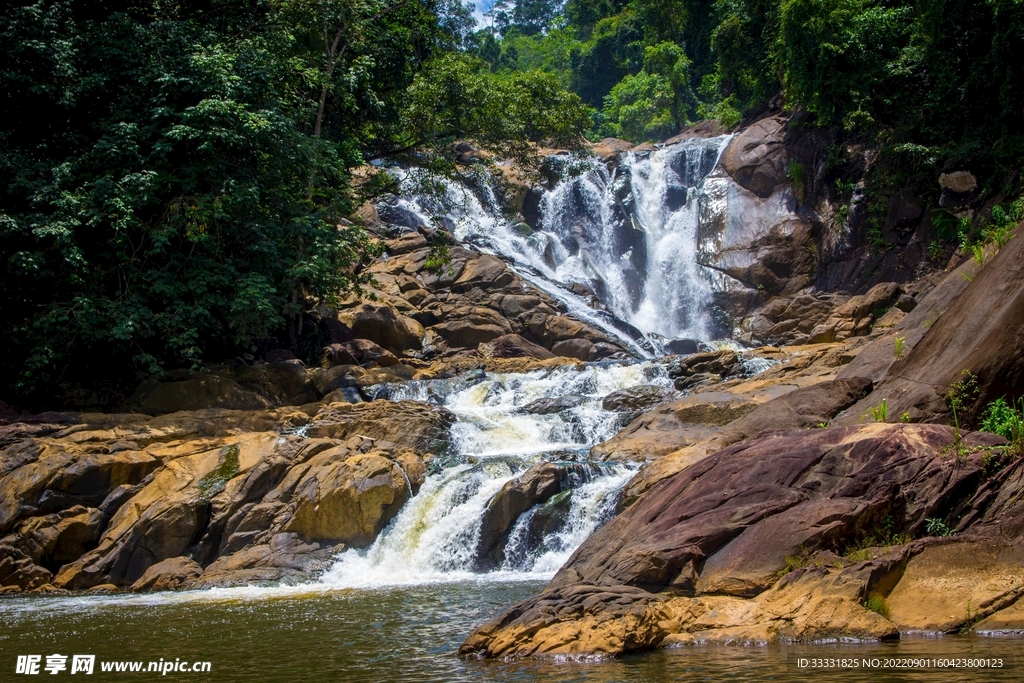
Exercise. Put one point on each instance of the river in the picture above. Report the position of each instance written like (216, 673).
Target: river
(406, 634)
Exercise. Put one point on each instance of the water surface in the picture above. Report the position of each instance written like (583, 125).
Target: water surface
(406, 633)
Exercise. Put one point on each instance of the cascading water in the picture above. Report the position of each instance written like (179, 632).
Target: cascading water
(505, 424)
(629, 234)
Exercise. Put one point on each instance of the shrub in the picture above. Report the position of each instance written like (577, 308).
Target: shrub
(877, 604)
(1005, 420)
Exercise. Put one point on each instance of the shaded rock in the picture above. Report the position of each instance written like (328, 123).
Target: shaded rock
(155, 397)
(18, 570)
(54, 539)
(383, 325)
(337, 354)
(59, 479)
(366, 351)
(636, 399)
(168, 575)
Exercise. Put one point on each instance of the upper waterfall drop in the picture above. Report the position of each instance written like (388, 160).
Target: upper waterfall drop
(619, 246)
(632, 235)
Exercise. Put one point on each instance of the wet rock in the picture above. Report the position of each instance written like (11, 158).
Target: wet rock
(168, 575)
(552, 405)
(636, 399)
(285, 557)
(682, 346)
(533, 487)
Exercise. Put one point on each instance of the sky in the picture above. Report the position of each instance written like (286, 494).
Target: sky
(479, 8)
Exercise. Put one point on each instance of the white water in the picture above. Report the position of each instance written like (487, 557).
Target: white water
(629, 235)
(434, 538)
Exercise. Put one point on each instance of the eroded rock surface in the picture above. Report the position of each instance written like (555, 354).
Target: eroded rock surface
(772, 539)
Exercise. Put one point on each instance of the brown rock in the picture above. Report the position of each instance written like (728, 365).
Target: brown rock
(168, 575)
(346, 498)
(410, 424)
(953, 583)
(155, 397)
(697, 558)
(513, 346)
(535, 486)
(756, 158)
(980, 332)
(581, 349)
(383, 325)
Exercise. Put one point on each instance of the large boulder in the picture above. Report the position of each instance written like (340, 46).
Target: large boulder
(384, 325)
(777, 538)
(347, 498)
(513, 346)
(170, 574)
(756, 158)
(535, 486)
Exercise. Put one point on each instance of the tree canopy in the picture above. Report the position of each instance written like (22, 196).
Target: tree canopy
(174, 174)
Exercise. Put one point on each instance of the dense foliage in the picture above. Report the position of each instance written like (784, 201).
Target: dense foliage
(173, 174)
(939, 74)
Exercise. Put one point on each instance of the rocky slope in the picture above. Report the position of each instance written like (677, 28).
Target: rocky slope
(91, 500)
(858, 531)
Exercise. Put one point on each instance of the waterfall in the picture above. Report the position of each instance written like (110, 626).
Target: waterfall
(505, 424)
(628, 235)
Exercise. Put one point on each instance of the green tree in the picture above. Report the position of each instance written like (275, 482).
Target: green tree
(653, 103)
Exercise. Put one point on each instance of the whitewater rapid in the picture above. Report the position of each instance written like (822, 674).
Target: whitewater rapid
(435, 536)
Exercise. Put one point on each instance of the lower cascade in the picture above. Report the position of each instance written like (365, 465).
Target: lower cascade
(534, 430)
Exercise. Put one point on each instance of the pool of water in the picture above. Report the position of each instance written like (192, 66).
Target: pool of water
(406, 634)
